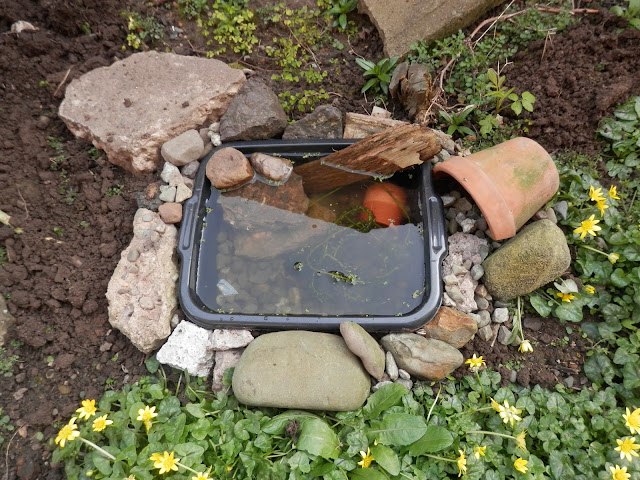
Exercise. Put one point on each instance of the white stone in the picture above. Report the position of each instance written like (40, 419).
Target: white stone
(501, 315)
(169, 173)
(229, 339)
(189, 348)
(223, 360)
(182, 193)
(183, 149)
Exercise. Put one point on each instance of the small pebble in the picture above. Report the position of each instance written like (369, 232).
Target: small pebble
(513, 376)
(483, 251)
(500, 315)
(462, 205)
(404, 374)
(468, 225)
(477, 271)
(485, 333)
(450, 279)
(453, 226)
(146, 217)
(561, 208)
(406, 383)
(380, 385)
(133, 255)
(481, 223)
(481, 302)
(481, 291)
(454, 293)
(391, 366)
(499, 304)
(448, 200)
(569, 382)
(168, 194)
(459, 270)
(446, 300)
(485, 318)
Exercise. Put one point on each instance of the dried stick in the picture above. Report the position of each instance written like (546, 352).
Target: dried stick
(26, 210)
(62, 82)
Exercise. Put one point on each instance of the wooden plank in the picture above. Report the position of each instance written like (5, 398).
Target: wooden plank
(357, 125)
(379, 155)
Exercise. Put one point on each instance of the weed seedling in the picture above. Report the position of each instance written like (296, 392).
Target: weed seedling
(380, 73)
(58, 231)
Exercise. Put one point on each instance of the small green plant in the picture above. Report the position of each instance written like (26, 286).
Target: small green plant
(58, 231)
(44, 84)
(631, 12)
(114, 191)
(499, 93)
(84, 224)
(304, 101)
(143, 31)
(55, 144)
(380, 73)
(455, 120)
(3, 256)
(339, 11)
(5, 425)
(7, 362)
(95, 153)
(86, 28)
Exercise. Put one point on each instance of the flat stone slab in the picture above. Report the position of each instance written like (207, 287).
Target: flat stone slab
(132, 107)
(410, 21)
(300, 369)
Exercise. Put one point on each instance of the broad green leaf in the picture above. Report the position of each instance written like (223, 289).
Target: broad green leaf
(386, 458)
(102, 463)
(195, 410)
(560, 464)
(317, 438)
(175, 428)
(619, 278)
(614, 313)
(189, 453)
(384, 398)
(528, 97)
(599, 369)
(300, 460)
(240, 431)
(492, 76)
(367, 474)
(129, 455)
(434, 440)
(516, 107)
(369, 84)
(570, 312)
(397, 429)
(631, 375)
(169, 406)
(540, 305)
(277, 424)
(152, 364)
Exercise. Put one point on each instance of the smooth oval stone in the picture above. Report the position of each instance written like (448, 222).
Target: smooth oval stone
(365, 347)
(300, 369)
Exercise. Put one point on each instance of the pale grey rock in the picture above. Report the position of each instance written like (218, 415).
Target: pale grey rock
(224, 359)
(422, 357)
(406, 382)
(254, 114)
(504, 335)
(448, 200)
(379, 385)
(561, 208)
(188, 348)
(6, 321)
(450, 279)
(481, 302)
(501, 315)
(227, 339)
(167, 193)
(404, 374)
(324, 122)
(534, 257)
(182, 193)
(228, 168)
(272, 168)
(485, 318)
(170, 173)
(132, 107)
(300, 369)
(154, 276)
(446, 300)
(468, 225)
(477, 271)
(458, 270)
(465, 244)
(391, 366)
(185, 148)
(365, 347)
(485, 333)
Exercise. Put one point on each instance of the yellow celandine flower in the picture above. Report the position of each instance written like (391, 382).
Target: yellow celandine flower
(595, 194)
(478, 451)
(613, 192)
(101, 423)
(590, 289)
(165, 462)
(618, 473)
(613, 257)
(130, 477)
(87, 410)
(68, 433)
(627, 448)
(201, 476)
(602, 206)
(521, 465)
(521, 441)
(475, 363)
(589, 226)
(147, 425)
(566, 297)
(145, 415)
(462, 463)
(495, 405)
(367, 458)
(509, 413)
(525, 346)
(632, 420)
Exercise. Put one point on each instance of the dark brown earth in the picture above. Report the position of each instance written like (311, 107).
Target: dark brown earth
(56, 272)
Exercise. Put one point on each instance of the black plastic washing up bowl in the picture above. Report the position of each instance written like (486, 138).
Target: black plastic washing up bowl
(200, 209)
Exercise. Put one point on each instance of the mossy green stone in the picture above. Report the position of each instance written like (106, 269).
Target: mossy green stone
(537, 255)
(300, 369)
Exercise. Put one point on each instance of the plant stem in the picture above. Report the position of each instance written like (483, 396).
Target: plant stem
(484, 396)
(485, 432)
(100, 449)
(436, 457)
(434, 403)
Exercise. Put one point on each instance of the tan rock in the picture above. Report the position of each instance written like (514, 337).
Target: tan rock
(228, 168)
(272, 168)
(451, 326)
(171, 212)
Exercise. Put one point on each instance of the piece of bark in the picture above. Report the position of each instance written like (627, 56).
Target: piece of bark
(360, 126)
(379, 155)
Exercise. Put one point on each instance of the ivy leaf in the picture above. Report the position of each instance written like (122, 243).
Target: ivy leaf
(397, 429)
(317, 438)
(386, 458)
(540, 305)
(434, 440)
(384, 398)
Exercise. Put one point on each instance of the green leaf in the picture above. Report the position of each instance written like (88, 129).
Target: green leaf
(569, 312)
(169, 406)
(152, 364)
(560, 464)
(619, 278)
(277, 424)
(367, 474)
(188, 452)
(540, 305)
(365, 64)
(342, 20)
(317, 438)
(528, 97)
(102, 463)
(434, 440)
(369, 84)
(384, 398)
(492, 76)
(195, 410)
(516, 107)
(300, 460)
(599, 369)
(397, 429)
(386, 458)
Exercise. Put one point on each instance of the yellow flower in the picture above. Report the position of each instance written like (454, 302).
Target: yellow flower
(478, 451)
(462, 463)
(130, 477)
(590, 289)
(613, 257)
(613, 192)
(495, 405)
(566, 297)
(618, 473)
(509, 414)
(589, 226)
(632, 420)
(521, 465)
(146, 413)
(627, 448)
(521, 441)
(165, 462)
(201, 476)
(69, 432)
(595, 194)
(101, 423)
(475, 363)
(525, 346)
(87, 410)
(602, 206)
(147, 425)
(367, 458)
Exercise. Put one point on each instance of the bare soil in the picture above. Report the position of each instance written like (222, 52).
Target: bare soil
(56, 272)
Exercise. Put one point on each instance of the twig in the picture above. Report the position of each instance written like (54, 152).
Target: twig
(63, 80)
(6, 457)
(496, 19)
(26, 210)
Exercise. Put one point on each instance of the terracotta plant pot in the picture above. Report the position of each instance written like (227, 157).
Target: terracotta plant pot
(387, 202)
(509, 182)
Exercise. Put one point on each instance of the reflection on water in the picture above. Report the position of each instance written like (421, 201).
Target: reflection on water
(258, 259)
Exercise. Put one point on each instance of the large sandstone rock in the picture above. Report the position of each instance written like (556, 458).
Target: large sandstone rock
(254, 114)
(425, 358)
(132, 107)
(142, 291)
(299, 369)
(534, 257)
(410, 21)
(452, 327)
